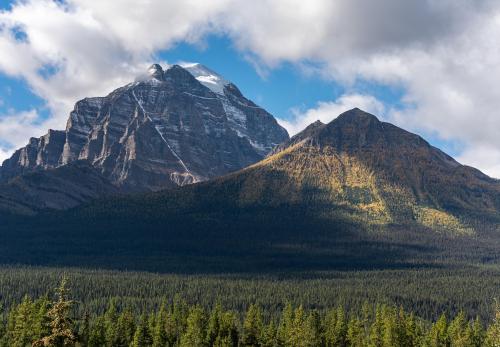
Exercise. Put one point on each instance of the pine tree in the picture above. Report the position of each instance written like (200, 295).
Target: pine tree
(270, 335)
(355, 333)
(314, 329)
(125, 329)
(194, 335)
(3, 328)
(97, 335)
(228, 330)
(84, 332)
(341, 327)
(438, 335)
(493, 332)
(301, 333)
(41, 321)
(213, 325)
(142, 336)
(252, 327)
(160, 337)
(21, 332)
(389, 329)
(366, 317)
(478, 333)
(62, 332)
(110, 323)
(459, 331)
(377, 329)
(286, 324)
(178, 323)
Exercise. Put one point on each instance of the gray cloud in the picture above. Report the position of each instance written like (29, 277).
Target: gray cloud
(444, 53)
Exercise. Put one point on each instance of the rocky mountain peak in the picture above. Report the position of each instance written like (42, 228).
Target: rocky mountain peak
(207, 77)
(156, 71)
(174, 127)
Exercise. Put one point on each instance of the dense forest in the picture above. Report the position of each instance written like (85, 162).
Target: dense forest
(426, 292)
(51, 322)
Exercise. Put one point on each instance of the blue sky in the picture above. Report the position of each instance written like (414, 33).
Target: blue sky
(428, 69)
(282, 90)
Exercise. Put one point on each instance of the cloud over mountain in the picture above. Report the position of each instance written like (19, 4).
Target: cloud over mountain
(443, 55)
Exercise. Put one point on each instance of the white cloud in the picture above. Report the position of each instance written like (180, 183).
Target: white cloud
(444, 53)
(327, 111)
(485, 157)
(16, 129)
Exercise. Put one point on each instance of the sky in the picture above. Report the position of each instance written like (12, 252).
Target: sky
(429, 66)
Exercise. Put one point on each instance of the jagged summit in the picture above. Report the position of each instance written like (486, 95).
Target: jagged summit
(375, 166)
(156, 71)
(207, 77)
(177, 126)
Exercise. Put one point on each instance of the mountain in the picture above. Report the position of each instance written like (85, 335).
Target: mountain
(360, 168)
(354, 193)
(374, 167)
(168, 128)
(68, 186)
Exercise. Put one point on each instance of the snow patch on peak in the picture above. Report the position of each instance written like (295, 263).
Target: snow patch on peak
(207, 77)
(156, 71)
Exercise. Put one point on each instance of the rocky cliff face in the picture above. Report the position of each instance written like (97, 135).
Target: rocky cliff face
(168, 128)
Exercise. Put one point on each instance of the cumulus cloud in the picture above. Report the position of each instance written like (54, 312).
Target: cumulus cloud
(17, 128)
(327, 111)
(444, 54)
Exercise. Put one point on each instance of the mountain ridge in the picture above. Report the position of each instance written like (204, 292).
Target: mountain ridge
(165, 129)
(357, 178)
(359, 202)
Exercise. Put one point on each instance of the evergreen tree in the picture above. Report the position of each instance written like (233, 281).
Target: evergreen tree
(97, 335)
(252, 327)
(270, 335)
(389, 331)
(160, 337)
(84, 332)
(21, 323)
(3, 328)
(142, 336)
(41, 320)
(213, 325)
(177, 321)
(62, 330)
(110, 323)
(125, 329)
(355, 333)
(493, 332)
(286, 324)
(314, 328)
(301, 333)
(478, 333)
(459, 332)
(377, 329)
(228, 330)
(194, 335)
(438, 335)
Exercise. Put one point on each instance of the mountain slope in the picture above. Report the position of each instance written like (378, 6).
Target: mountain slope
(375, 167)
(358, 168)
(65, 187)
(168, 128)
(354, 193)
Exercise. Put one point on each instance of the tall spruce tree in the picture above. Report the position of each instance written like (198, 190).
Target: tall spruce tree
(194, 335)
(252, 327)
(62, 329)
(142, 336)
(493, 332)
(97, 335)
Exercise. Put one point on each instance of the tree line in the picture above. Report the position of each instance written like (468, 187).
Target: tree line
(44, 322)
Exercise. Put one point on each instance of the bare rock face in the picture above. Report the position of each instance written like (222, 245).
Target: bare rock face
(169, 128)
